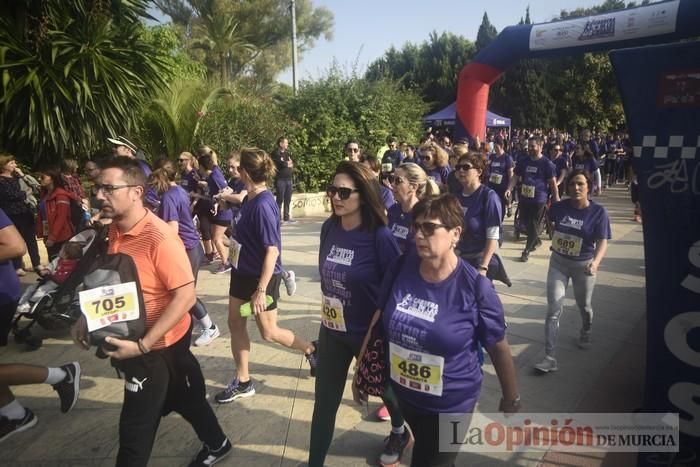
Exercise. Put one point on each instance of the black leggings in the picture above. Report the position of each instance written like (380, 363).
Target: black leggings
(334, 357)
(27, 229)
(426, 432)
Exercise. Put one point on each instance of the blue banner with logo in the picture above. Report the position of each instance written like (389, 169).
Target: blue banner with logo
(660, 88)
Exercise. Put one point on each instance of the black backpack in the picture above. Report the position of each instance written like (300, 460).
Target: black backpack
(105, 273)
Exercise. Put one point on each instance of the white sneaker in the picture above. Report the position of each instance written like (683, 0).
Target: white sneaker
(207, 336)
(290, 283)
(547, 365)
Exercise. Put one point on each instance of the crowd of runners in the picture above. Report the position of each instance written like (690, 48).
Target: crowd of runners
(407, 259)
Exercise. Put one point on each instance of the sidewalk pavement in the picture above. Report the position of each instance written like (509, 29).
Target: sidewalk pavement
(272, 428)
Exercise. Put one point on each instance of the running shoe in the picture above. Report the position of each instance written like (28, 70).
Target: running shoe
(509, 212)
(208, 456)
(68, 388)
(20, 272)
(234, 391)
(394, 447)
(547, 364)
(290, 283)
(584, 340)
(312, 358)
(525, 256)
(10, 427)
(207, 336)
(382, 413)
(223, 268)
(208, 259)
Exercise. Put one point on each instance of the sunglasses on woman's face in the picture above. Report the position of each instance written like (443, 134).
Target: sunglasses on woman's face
(464, 167)
(342, 192)
(428, 158)
(427, 228)
(395, 179)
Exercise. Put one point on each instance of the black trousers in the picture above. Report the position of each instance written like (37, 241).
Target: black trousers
(27, 229)
(284, 196)
(426, 429)
(157, 383)
(530, 216)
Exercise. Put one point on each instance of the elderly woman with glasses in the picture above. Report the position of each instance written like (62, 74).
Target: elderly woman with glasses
(436, 312)
(356, 248)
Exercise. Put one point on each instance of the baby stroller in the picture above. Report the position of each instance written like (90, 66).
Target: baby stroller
(53, 307)
(519, 227)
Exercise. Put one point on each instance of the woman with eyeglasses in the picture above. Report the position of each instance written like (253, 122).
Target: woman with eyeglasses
(435, 163)
(436, 312)
(410, 184)
(581, 230)
(482, 215)
(174, 209)
(355, 250)
(220, 219)
(256, 274)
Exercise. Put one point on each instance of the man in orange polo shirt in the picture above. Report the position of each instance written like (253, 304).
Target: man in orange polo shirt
(160, 372)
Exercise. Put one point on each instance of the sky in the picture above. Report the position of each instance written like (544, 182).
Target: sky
(365, 29)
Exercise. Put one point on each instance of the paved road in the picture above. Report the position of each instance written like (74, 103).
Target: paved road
(272, 428)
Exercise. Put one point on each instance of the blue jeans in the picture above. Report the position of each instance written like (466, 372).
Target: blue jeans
(284, 195)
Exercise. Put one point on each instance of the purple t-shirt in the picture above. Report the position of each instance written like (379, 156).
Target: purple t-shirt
(258, 227)
(10, 290)
(175, 206)
(561, 164)
(576, 231)
(237, 186)
(188, 181)
(400, 226)
(499, 168)
(588, 164)
(387, 196)
(217, 182)
(535, 176)
(482, 209)
(447, 321)
(438, 174)
(352, 265)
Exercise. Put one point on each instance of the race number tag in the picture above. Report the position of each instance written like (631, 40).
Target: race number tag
(421, 372)
(528, 191)
(496, 179)
(103, 306)
(387, 167)
(565, 244)
(234, 252)
(332, 314)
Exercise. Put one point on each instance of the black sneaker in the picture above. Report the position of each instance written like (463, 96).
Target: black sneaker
(312, 358)
(235, 390)
(68, 389)
(10, 427)
(394, 447)
(525, 256)
(207, 456)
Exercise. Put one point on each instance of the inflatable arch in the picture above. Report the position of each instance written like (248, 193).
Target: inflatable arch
(650, 24)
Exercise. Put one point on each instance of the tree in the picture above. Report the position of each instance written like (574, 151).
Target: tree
(72, 74)
(431, 68)
(487, 33)
(264, 24)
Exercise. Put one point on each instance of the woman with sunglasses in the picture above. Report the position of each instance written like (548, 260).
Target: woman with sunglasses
(436, 312)
(352, 151)
(435, 162)
(581, 230)
(174, 209)
(256, 274)
(219, 218)
(410, 184)
(199, 203)
(355, 250)
(482, 215)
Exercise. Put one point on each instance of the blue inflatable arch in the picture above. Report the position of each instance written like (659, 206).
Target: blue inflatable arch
(650, 24)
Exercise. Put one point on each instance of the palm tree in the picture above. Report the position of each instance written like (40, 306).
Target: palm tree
(72, 74)
(218, 34)
(171, 120)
